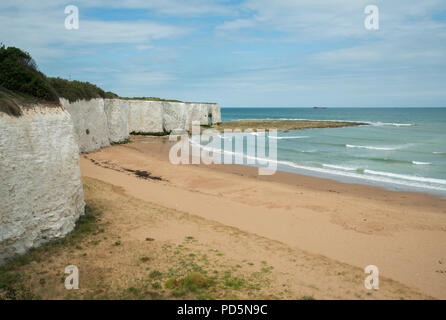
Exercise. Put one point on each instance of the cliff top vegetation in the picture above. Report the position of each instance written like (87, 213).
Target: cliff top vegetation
(160, 99)
(150, 99)
(21, 83)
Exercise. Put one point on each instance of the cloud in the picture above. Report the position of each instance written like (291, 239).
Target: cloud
(281, 52)
(302, 20)
(47, 27)
(317, 20)
(181, 8)
(190, 8)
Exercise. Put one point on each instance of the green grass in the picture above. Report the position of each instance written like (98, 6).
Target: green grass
(155, 274)
(161, 99)
(235, 283)
(193, 274)
(196, 275)
(150, 99)
(193, 282)
(157, 286)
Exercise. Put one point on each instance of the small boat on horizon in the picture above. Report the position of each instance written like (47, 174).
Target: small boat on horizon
(319, 107)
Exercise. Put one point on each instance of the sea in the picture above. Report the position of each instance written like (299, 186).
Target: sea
(398, 149)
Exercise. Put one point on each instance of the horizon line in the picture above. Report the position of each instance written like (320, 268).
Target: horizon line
(327, 107)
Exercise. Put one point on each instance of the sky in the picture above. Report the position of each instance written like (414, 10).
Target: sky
(251, 53)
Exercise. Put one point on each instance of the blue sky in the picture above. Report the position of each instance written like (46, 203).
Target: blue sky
(242, 53)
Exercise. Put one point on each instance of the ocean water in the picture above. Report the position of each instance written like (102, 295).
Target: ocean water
(400, 149)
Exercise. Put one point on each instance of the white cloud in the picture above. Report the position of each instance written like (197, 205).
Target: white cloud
(181, 8)
(39, 28)
(284, 51)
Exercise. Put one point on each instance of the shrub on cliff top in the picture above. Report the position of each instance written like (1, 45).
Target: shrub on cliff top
(111, 95)
(76, 90)
(22, 81)
(150, 99)
(18, 73)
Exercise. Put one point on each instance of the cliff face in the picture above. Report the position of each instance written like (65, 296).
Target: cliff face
(41, 190)
(90, 123)
(40, 181)
(145, 116)
(164, 116)
(98, 122)
(215, 111)
(175, 116)
(117, 113)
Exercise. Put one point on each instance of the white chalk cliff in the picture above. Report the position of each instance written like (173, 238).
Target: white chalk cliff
(41, 195)
(145, 116)
(165, 116)
(90, 123)
(99, 123)
(41, 189)
(117, 113)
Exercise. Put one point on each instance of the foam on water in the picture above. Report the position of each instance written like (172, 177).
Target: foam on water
(398, 148)
(348, 172)
(372, 147)
(421, 163)
(286, 138)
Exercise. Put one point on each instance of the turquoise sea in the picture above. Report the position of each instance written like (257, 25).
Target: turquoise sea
(399, 149)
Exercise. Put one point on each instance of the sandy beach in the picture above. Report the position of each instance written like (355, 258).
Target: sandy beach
(330, 223)
(223, 151)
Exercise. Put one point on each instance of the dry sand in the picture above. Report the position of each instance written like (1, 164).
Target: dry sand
(304, 226)
(135, 248)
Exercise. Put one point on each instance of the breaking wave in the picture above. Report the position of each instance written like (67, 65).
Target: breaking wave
(372, 147)
(420, 163)
(348, 172)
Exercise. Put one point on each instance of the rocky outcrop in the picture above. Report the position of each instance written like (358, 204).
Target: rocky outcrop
(41, 190)
(90, 123)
